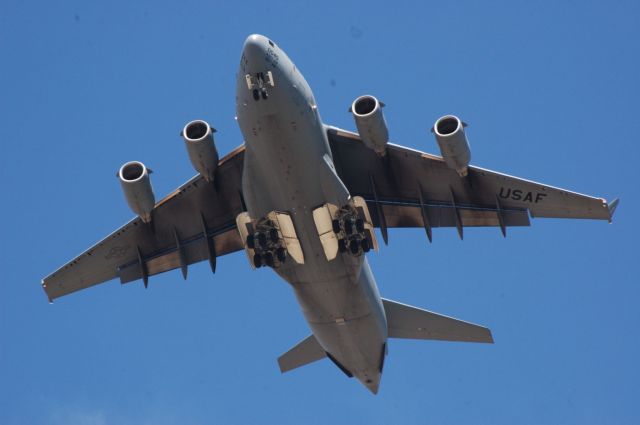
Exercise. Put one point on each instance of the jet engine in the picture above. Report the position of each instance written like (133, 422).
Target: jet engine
(136, 185)
(454, 146)
(367, 113)
(198, 137)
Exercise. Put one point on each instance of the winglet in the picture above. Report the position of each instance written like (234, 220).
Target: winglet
(612, 208)
(44, 286)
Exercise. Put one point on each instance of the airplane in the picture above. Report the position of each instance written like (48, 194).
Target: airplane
(304, 198)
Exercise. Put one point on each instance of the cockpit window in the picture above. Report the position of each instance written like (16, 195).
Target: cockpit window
(271, 43)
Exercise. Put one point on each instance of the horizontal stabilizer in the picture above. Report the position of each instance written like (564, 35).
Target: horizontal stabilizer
(305, 352)
(405, 321)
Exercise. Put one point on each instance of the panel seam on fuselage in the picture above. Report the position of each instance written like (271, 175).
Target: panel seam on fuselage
(340, 321)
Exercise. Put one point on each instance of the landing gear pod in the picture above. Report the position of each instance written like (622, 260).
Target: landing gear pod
(346, 229)
(136, 185)
(454, 146)
(198, 138)
(269, 241)
(372, 127)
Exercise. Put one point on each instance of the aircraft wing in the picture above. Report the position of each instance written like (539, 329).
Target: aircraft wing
(409, 188)
(194, 223)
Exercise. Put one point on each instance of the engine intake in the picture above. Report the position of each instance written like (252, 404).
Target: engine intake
(372, 127)
(136, 185)
(453, 143)
(198, 138)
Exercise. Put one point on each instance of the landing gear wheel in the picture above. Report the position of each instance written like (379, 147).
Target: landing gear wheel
(336, 226)
(268, 259)
(251, 241)
(354, 246)
(348, 227)
(342, 245)
(256, 94)
(262, 239)
(273, 235)
(265, 95)
(366, 246)
(257, 260)
(281, 253)
(360, 225)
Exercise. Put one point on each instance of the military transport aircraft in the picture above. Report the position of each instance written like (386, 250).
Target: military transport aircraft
(304, 198)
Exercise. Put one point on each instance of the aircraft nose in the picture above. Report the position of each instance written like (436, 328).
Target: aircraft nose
(255, 47)
(371, 381)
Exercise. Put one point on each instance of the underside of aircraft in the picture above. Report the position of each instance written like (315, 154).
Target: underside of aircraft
(304, 199)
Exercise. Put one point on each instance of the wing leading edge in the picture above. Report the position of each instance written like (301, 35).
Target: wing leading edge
(195, 222)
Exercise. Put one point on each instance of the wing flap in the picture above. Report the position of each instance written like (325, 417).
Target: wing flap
(409, 215)
(195, 250)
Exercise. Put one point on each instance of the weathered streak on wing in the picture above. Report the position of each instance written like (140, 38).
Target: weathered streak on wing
(178, 212)
(478, 197)
(226, 240)
(408, 215)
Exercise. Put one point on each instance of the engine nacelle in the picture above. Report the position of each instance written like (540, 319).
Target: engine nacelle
(136, 185)
(372, 127)
(198, 138)
(454, 146)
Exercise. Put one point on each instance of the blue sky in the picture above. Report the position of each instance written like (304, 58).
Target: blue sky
(550, 91)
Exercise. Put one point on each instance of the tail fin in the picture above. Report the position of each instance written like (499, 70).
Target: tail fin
(405, 321)
(305, 352)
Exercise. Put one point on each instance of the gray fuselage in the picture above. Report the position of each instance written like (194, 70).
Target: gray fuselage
(288, 167)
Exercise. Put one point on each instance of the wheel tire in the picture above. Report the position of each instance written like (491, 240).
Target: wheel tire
(256, 94)
(348, 227)
(281, 253)
(257, 261)
(366, 246)
(273, 235)
(336, 226)
(251, 241)
(262, 240)
(268, 259)
(360, 225)
(342, 245)
(354, 246)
